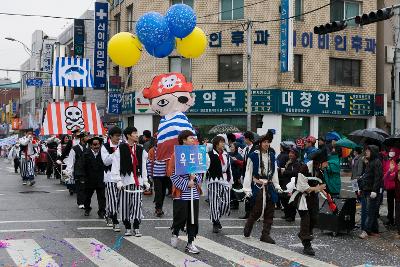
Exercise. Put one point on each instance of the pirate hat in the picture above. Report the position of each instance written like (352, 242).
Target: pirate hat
(93, 138)
(76, 130)
(82, 134)
(167, 84)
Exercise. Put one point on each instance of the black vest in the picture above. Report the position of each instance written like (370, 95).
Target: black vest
(94, 166)
(215, 169)
(110, 151)
(126, 167)
(79, 166)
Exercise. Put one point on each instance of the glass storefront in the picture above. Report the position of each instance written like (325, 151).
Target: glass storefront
(294, 127)
(343, 126)
(204, 123)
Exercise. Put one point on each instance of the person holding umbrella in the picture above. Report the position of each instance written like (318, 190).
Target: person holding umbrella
(186, 192)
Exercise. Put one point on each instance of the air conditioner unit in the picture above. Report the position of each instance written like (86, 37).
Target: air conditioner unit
(389, 53)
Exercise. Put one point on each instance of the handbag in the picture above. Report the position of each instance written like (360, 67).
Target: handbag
(362, 181)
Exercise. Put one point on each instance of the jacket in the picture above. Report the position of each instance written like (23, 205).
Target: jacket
(94, 169)
(292, 169)
(357, 167)
(372, 180)
(332, 174)
(389, 179)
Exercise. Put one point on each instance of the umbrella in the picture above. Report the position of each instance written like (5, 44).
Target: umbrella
(344, 142)
(393, 140)
(366, 136)
(223, 129)
(332, 136)
(379, 131)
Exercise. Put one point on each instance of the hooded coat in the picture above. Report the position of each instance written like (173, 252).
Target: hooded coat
(372, 180)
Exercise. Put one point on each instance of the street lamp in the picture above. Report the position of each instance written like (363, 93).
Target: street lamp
(26, 48)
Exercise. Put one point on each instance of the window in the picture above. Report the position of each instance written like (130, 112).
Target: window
(344, 72)
(341, 125)
(116, 70)
(186, 2)
(181, 65)
(129, 10)
(232, 9)
(298, 10)
(345, 9)
(294, 127)
(117, 19)
(129, 74)
(298, 68)
(230, 68)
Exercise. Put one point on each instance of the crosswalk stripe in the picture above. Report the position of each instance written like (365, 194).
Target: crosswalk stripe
(164, 251)
(21, 230)
(281, 252)
(228, 253)
(26, 252)
(98, 253)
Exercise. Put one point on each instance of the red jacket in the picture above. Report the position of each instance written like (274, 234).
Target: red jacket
(389, 179)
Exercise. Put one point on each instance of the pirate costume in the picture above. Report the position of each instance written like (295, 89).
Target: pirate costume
(129, 172)
(112, 192)
(27, 156)
(94, 178)
(261, 182)
(220, 180)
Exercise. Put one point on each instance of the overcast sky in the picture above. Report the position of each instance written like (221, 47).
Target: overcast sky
(12, 54)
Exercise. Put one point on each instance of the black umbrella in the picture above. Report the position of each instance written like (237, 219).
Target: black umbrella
(223, 129)
(379, 131)
(366, 137)
(393, 140)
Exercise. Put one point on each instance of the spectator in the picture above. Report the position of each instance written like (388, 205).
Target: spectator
(148, 140)
(332, 174)
(389, 170)
(237, 168)
(309, 148)
(370, 184)
(397, 196)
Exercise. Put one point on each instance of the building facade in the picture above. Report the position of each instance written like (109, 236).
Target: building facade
(332, 85)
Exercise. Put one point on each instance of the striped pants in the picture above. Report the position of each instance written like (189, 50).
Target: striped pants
(112, 201)
(219, 198)
(27, 169)
(131, 206)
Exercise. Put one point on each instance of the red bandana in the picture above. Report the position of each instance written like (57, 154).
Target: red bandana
(134, 163)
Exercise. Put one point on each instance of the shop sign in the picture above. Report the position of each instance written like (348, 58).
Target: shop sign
(219, 101)
(100, 45)
(380, 105)
(114, 102)
(128, 103)
(142, 105)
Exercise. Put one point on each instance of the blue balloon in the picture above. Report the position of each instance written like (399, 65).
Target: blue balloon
(163, 50)
(152, 29)
(181, 20)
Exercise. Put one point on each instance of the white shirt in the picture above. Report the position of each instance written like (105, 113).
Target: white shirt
(107, 160)
(25, 141)
(224, 166)
(128, 179)
(70, 161)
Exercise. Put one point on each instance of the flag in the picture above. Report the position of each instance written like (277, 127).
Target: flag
(72, 72)
(62, 117)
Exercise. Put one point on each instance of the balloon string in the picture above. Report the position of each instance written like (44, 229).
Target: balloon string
(154, 63)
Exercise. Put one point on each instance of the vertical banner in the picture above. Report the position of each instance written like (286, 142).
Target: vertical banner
(286, 42)
(79, 45)
(100, 45)
(114, 96)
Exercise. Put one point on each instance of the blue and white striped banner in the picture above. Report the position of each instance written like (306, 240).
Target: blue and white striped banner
(72, 72)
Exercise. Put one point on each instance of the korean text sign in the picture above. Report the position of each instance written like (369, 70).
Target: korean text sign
(100, 45)
(190, 159)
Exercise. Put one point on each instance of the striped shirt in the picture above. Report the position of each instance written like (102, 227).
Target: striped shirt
(181, 182)
(158, 169)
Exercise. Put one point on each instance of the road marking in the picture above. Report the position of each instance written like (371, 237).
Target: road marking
(98, 253)
(62, 190)
(1, 194)
(94, 228)
(238, 227)
(26, 252)
(22, 230)
(164, 251)
(227, 253)
(66, 220)
(300, 245)
(280, 251)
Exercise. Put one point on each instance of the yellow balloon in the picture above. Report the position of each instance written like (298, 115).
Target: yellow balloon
(193, 45)
(124, 49)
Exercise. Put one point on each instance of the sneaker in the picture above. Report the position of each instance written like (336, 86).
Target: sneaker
(87, 212)
(128, 232)
(219, 225)
(159, 213)
(174, 241)
(191, 249)
(137, 233)
(216, 229)
(363, 235)
(24, 183)
(31, 183)
(309, 251)
(267, 239)
(109, 222)
(116, 228)
(81, 207)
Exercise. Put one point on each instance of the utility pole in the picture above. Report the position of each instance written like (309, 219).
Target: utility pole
(396, 74)
(249, 55)
(57, 88)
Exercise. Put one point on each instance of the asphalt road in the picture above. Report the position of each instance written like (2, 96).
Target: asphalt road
(42, 226)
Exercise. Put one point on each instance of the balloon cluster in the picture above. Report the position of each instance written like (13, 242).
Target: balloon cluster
(160, 35)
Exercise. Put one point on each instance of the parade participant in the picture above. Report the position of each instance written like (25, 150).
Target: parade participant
(250, 148)
(129, 172)
(261, 182)
(237, 169)
(291, 169)
(94, 176)
(27, 155)
(305, 199)
(14, 156)
(182, 213)
(112, 192)
(52, 166)
(220, 180)
(75, 169)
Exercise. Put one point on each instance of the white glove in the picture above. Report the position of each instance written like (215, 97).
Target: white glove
(279, 190)
(146, 185)
(248, 194)
(59, 162)
(120, 185)
(373, 195)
